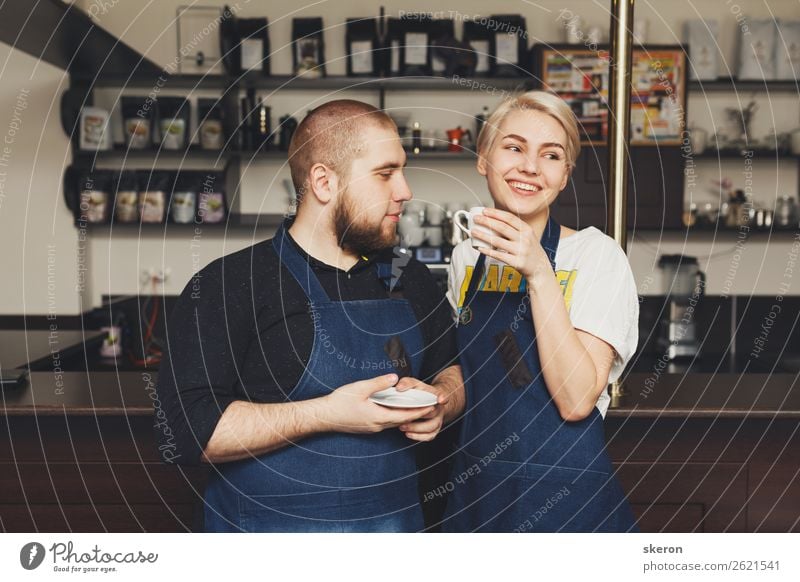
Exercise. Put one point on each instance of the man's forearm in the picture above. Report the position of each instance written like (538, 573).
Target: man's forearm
(248, 429)
(451, 382)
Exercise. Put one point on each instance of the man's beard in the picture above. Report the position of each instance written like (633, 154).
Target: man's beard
(355, 235)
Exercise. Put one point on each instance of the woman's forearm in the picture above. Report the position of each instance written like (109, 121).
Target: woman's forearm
(568, 369)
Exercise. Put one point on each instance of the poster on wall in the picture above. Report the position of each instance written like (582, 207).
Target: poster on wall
(580, 76)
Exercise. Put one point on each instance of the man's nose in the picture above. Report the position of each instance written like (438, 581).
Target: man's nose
(402, 191)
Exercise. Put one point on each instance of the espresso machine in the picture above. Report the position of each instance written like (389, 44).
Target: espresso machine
(684, 286)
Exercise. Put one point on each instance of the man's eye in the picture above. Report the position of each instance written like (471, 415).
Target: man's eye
(385, 175)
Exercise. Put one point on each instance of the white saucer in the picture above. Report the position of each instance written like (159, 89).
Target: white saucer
(409, 399)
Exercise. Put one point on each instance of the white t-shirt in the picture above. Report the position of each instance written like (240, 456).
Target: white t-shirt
(598, 285)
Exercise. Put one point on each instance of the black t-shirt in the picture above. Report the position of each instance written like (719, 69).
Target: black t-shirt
(242, 330)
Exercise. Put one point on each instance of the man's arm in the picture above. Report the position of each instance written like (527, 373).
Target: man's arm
(248, 429)
(449, 387)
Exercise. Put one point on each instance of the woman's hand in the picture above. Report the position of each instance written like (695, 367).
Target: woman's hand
(515, 243)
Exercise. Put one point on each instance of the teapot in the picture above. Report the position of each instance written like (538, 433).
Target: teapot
(454, 137)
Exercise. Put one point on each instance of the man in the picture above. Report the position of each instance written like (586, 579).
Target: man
(271, 363)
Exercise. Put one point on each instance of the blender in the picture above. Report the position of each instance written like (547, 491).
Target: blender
(684, 285)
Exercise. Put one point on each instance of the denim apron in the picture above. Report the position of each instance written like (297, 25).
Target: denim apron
(330, 482)
(520, 467)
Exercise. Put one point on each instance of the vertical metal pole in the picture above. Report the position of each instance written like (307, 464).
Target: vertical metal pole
(619, 104)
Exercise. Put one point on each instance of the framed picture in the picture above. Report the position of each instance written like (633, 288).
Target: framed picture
(580, 76)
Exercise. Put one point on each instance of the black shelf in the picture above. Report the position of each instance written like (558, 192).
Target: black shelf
(290, 82)
(120, 151)
(735, 85)
(150, 80)
(741, 152)
(234, 221)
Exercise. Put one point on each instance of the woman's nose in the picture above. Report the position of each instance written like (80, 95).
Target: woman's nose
(529, 164)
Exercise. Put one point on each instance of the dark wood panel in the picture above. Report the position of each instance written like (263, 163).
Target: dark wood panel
(720, 489)
(97, 483)
(667, 517)
(100, 518)
(655, 189)
(67, 438)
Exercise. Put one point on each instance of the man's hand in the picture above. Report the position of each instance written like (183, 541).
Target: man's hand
(428, 426)
(348, 408)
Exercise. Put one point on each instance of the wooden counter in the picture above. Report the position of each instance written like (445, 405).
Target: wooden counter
(696, 453)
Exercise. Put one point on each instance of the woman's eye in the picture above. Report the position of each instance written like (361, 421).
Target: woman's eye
(552, 156)
(513, 148)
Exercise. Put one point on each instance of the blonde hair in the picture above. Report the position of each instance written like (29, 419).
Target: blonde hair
(543, 101)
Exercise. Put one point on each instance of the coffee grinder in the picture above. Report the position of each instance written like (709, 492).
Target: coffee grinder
(684, 286)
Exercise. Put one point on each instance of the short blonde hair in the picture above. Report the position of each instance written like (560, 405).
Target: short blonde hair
(543, 101)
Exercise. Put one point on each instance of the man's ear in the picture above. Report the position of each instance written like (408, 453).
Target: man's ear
(322, 182)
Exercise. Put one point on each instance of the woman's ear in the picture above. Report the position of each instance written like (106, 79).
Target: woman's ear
(565, 180)
(481, 165)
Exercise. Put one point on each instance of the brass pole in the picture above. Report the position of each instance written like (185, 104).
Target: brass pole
(619, 103)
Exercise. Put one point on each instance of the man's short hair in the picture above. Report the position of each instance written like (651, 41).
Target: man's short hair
(332, 134)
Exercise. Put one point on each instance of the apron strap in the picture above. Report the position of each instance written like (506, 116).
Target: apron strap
(297, 265)
(549, 242)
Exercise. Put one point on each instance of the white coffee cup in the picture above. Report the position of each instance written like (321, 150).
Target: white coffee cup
(471, 226)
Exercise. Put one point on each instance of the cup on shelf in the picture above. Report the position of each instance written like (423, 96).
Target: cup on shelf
(699, 139)
(435, 214)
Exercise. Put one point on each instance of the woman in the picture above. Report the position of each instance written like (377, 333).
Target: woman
(547, 317)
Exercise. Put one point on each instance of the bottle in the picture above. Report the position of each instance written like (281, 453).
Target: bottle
(246, 127)
(480, 119)
(261, 126)
(416, 138)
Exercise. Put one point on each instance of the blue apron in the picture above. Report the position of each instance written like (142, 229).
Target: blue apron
(520, 467)
(330, 482)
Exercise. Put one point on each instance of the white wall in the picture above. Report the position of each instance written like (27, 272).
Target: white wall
(39, 243)
(116, 262)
